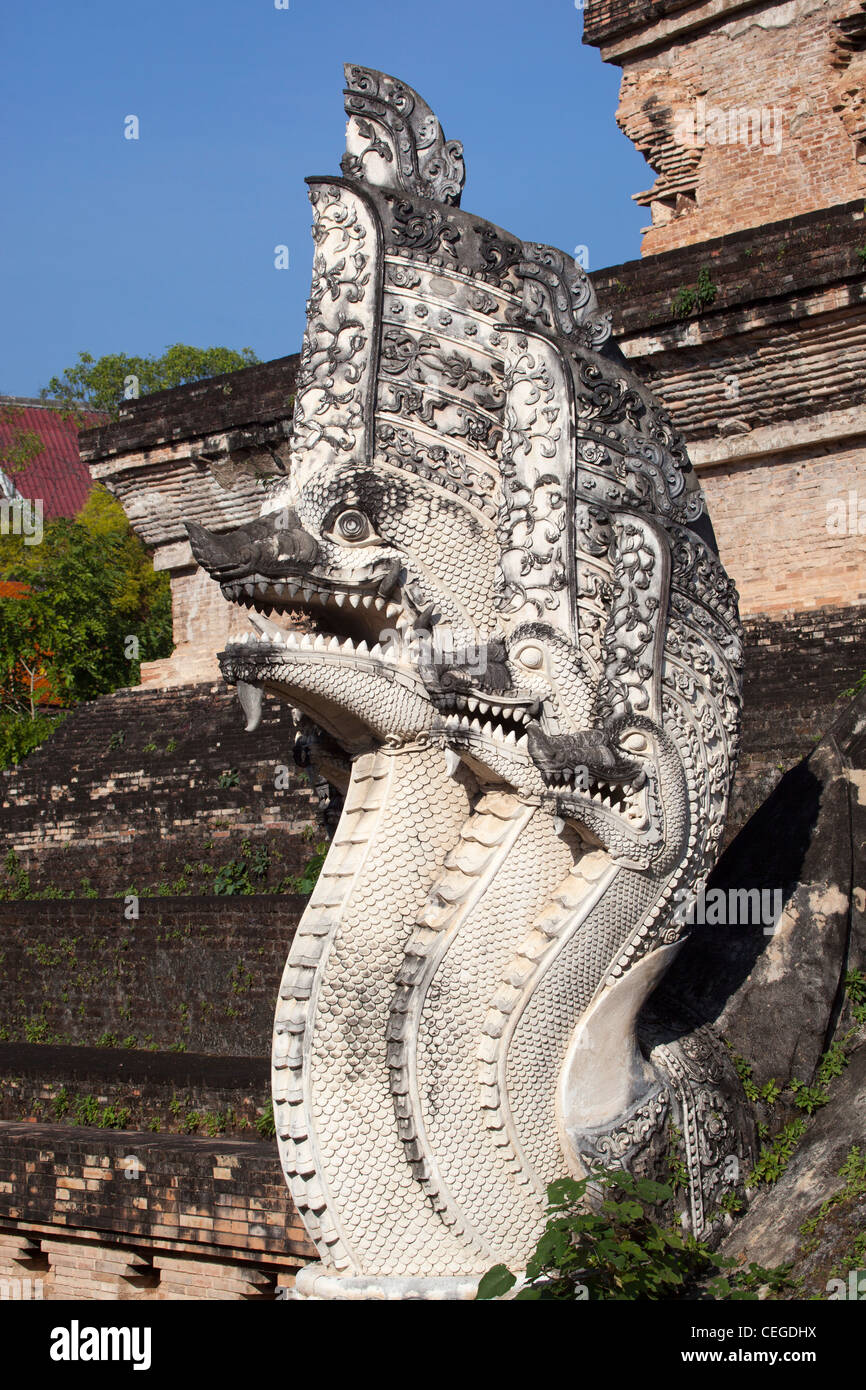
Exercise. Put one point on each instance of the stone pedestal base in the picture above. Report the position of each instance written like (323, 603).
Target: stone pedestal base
(313, 1283)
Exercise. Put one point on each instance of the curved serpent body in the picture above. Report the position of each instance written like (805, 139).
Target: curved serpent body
(523, 643)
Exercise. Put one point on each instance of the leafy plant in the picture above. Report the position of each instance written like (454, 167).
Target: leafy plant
(229, 778)
(305, 881)
(855, 988)
(832, 1064)
(775, 1157)
(265, 1122)
(853, 1170)
(620, 1251)
(232, 878)
(689, 299)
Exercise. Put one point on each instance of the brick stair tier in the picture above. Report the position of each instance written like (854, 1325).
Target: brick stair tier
(98, 803)
(119, 1089)
(193, 974)
(87, 1213)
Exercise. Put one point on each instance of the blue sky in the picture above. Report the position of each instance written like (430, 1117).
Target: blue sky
(115, 245)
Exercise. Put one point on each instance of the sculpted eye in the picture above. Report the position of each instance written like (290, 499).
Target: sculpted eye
(353, 527)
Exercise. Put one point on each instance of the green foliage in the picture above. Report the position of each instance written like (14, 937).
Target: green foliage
(832, 1064)
(229, 778)
(620, 1251)
(775, 1157)
(90, 587)
(21, 733)
(265, 1122)
(853, 1171)
(234, 877)
(855, 988)
(690, 299)
(98, 383)
(87, 1112)
(855, 689)
(306, 880)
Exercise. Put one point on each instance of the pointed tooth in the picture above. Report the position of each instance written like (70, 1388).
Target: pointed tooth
(362, 649)
(558, 825)
(376, 650)
(354, 599)
(249, 588)
(334, 644)
(452, 761)
(483, 707)
(511, 738)
(307, 595)
(392, 610)
(476, 725)
(339, 599)
(472, 703)
(523, 742)
(379, 604)
(348, 645)
(279, 589)
(320, 645)
(262, 588)
(488, 730)
(291, 639)
(367, 600)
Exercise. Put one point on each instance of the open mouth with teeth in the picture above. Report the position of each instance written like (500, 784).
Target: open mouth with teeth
(366, 626)
(348, 616)
(574, 789)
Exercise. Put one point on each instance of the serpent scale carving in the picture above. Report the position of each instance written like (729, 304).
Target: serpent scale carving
(523, 650)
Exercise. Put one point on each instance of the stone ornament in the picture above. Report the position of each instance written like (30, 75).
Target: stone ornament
(521, 664)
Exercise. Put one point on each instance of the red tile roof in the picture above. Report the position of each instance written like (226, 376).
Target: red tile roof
(57, 474)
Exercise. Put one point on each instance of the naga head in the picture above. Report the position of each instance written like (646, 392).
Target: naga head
(490, 536)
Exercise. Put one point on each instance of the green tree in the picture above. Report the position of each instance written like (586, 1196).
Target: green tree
(92, 610)
(98, 383)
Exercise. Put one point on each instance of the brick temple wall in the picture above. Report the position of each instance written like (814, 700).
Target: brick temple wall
(747, 113)
(90, 1215)
(198, 973)
(137, 790)
(766, 384)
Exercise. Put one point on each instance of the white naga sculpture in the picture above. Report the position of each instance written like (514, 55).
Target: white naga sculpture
(521, 660)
